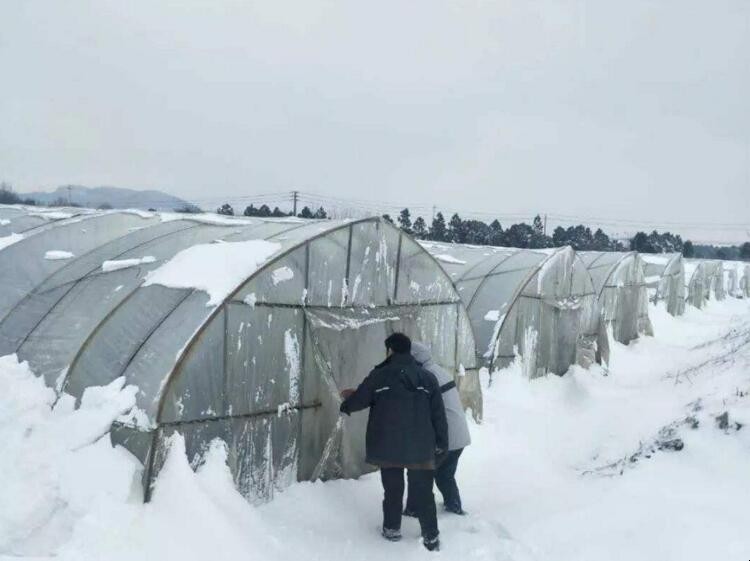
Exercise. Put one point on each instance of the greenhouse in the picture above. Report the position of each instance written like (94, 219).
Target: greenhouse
(697, 282)
(537, 303)
(736, 279)
(705, 280)
(238, 329)
(665, 277)
(717, 280)
(620, 282)
(744, 281)
(732, 276)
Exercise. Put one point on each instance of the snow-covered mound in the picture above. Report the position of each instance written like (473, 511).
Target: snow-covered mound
(646, 461)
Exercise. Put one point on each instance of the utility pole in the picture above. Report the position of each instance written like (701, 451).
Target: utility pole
(545, 224)
(295, 198)
(434, 209)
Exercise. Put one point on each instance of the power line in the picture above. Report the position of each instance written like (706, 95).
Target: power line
(379, 207)
(363, 204)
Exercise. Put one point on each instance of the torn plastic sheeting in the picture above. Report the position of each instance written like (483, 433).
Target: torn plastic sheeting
(340, 320)
(492, 346)
(329, 464)
(572, 303)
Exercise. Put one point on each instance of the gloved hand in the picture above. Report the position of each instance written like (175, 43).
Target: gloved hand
(440, 456)
(346, 393)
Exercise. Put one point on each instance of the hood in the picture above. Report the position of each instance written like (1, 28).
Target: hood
(421, 352)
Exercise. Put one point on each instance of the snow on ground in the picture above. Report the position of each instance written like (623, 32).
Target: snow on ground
(216, 268)
(565, 468)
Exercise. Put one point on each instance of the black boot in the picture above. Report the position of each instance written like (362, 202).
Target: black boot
(432, 544)
(455, 510)
(391, 535)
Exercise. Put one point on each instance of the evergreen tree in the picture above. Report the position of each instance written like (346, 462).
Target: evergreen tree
(250, 211)
(264, 211)
(476, 232)
(559, 237)
(588, 239)
(497, 236)
(642, 243)
(538, 239)
(519, 235)
(438, 230)
(602, 241)
(278, 213)
(320, 213)
(744, 250)
(225, 209)
(387, 217)
(420, 228)
(538, 226)
(306, 213)
(404, 221)
(456, 232)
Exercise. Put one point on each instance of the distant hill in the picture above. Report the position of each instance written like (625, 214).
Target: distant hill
(117, 197)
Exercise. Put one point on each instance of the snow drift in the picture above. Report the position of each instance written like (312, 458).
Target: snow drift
(538, 480)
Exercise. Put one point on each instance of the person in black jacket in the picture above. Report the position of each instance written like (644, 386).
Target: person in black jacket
(407, 429)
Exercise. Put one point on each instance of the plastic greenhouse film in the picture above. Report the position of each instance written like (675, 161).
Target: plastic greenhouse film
(333, 444)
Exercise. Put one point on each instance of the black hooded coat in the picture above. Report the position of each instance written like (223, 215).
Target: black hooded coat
(407, 422)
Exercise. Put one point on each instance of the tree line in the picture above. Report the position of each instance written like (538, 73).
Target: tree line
(579, 237)
(9, 197)
(522, 235)
(265, 211)
(477, 232)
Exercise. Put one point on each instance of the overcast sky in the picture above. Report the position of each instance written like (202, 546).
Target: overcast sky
(620, 110)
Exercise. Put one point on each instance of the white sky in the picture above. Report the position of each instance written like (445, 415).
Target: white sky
(634, 110)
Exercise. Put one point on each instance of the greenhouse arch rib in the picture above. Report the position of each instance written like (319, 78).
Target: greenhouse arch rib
(74, 283)
(484, 278)
(51, 226)
(611, 272)
(124, 302)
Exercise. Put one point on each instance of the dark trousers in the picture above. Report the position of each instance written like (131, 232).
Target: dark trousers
(445, 479)
(420, 492)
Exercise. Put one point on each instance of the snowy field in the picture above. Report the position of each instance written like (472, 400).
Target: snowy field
(578, 468)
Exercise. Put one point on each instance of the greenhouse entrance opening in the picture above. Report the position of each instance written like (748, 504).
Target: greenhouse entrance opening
(345, 346)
